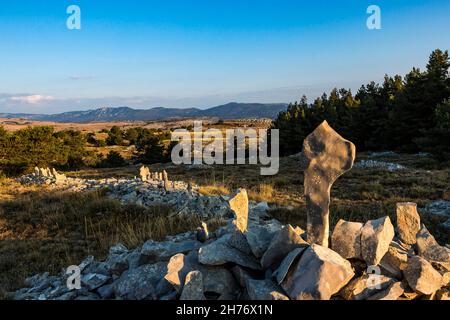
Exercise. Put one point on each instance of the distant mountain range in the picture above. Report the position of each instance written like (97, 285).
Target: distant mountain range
(231, 110)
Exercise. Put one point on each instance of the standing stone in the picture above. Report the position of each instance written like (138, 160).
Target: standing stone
(144, 172)
(376, 236)
(421, 276)
(319, 274)
(346, 239)
(325, 156)
(239, 204)
(408, 222)
(193, 287)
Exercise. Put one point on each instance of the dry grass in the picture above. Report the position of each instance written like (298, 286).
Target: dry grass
(42, 231)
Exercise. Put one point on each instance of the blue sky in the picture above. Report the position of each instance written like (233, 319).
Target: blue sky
(185, 53)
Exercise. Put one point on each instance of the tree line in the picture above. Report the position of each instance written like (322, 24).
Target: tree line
(406, 114)
(22, 150)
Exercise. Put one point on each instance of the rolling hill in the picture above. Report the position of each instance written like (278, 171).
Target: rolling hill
(231, 110)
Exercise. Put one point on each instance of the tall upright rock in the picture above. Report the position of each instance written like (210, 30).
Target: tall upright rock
(325, 156)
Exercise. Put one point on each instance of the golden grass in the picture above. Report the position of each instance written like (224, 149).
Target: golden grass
(214, 190)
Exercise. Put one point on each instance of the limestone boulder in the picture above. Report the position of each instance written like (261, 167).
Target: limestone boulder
(394, 261)
(422, 277)
(259, 236)
(408, 222)
(224, 250)
(346, 239)
(319, 274)
(376, 236)
(429, 248)
(282, 271)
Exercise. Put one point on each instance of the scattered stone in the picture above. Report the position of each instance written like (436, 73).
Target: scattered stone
(421, 276)
(440, 208)
(346, 239)
(376, 236)
(193, 287)
(326, 156)
(319, 274)
(284, 241)
(408, 222)
(239, 204)
(363, 164)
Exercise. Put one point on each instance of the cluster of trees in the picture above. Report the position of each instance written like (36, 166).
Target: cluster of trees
(407, 114)
(22, 150)
(40, 146)
(152, 145)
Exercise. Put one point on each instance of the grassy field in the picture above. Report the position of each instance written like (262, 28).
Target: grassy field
(46, 231)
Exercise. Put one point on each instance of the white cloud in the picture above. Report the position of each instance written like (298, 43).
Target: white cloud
(32, 99)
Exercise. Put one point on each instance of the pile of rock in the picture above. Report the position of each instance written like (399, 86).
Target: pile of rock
(254, 258)
(150, 189)
(44, 176)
